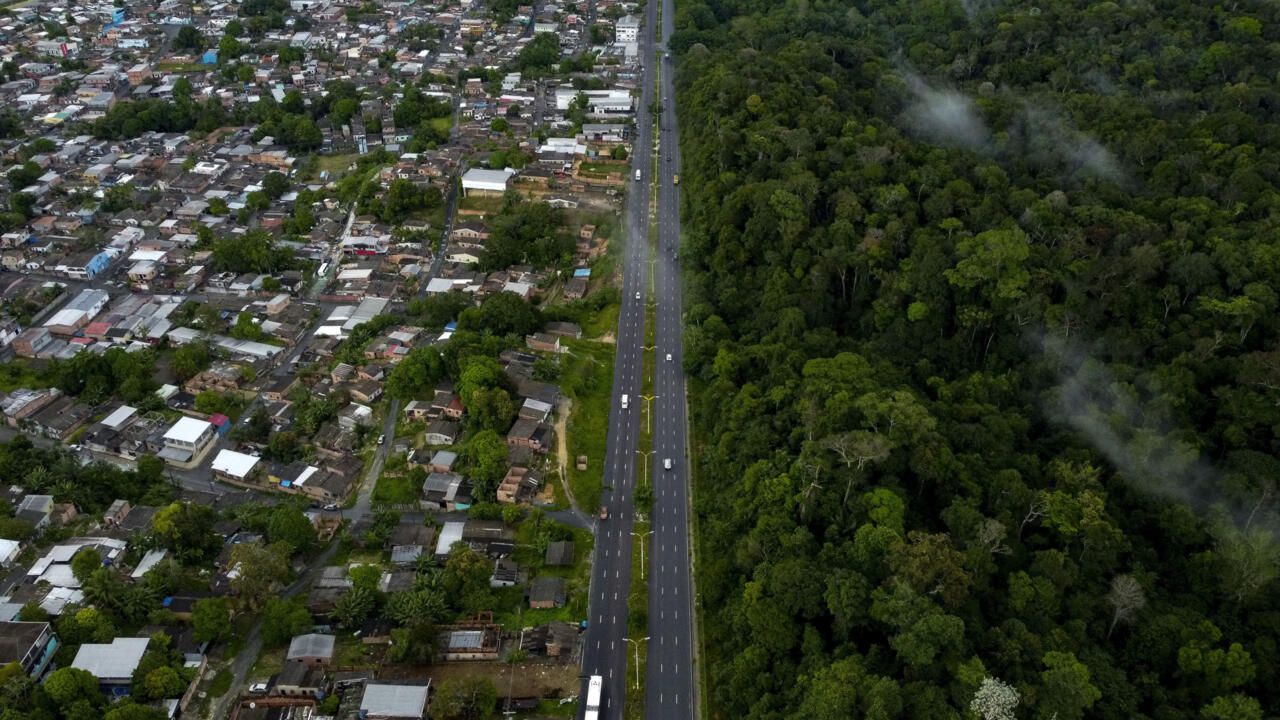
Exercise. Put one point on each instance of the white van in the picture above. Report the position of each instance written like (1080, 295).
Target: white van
(626, 400)
(666, 464)
(637, 173)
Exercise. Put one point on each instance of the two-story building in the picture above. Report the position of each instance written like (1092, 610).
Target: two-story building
(29, 644)
(189, 438)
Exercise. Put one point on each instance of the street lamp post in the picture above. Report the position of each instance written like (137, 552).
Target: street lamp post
(645, 454)
(648, 408)
(642, 536)
(637, 644)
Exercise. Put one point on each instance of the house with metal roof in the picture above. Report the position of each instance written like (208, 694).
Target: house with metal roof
(112, 663)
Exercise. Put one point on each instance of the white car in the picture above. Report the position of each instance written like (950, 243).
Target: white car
(666, 464)
(668, 357)
(258, 688)
(637, 295)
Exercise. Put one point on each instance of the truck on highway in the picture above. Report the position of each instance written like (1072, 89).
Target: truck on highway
(626, 400)
(595, 687)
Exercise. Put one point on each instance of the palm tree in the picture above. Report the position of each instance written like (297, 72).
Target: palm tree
(104, 588)
(38, 478)
(136, 602)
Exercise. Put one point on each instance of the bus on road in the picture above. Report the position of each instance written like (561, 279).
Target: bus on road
(595, 686)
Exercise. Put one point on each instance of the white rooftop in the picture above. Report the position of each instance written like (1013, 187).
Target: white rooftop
(482, 179)
(394, 701)
(449, 534)
(113, 662)
(148, 561)
(235, 464)
(187, 430)
(119, 416)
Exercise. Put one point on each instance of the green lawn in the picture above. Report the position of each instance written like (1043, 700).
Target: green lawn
(598, 169)
(488, 205)
(396, 490)
(180, 67)
(220, 683)
(336, 164)
(553, 708)
(269, 663)
(587, 372)
(349, 651)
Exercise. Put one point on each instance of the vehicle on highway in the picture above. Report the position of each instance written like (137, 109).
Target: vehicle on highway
(637, 294)
(604, 512)
(637, 173)
(666, 463)
(668, 357)
(382, 439)
(675, 179)
(626, 401)
(595, 687)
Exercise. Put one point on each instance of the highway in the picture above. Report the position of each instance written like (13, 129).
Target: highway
(669, 675)
(606, 649)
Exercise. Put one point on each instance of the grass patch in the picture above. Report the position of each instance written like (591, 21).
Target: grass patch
(395, 490)
(479, 203)
(220, 683)
(349, 651)
(586, 376)
(269, 663)
(553, 708)
(336, 165)
(184, 67)
(442, 124)
(637, 623)
(519, 615)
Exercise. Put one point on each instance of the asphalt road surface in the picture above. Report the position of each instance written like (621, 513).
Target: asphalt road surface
(606, 649)
(670, 677)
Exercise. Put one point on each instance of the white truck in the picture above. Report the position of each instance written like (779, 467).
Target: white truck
(626, 401)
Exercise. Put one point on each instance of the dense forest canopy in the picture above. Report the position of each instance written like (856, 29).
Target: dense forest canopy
(983, 332)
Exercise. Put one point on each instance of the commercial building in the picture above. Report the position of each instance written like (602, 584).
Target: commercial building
(486, 182)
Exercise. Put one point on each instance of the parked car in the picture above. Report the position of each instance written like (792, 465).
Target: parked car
(382, 439)
(258, 688)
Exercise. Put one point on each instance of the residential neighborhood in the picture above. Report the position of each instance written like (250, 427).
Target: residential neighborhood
(307, 314)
